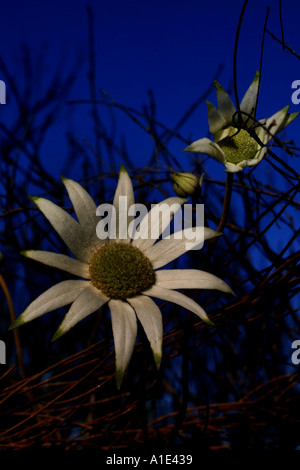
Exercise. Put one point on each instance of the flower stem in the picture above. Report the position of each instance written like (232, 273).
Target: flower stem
(13, 317)
(226, 204)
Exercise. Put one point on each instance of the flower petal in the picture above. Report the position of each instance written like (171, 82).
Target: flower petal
(156, 221)
(124, 326)
(225, 105)
(254, 161)
(179, 299)
(190, 279)
(215, 120)
(150, 317)
(275, 124)
(168, 249)
(123, 199)
(57, 296)
(271, 125)
(66, 226)
(85, 209)
(288, 119)
(56, 260)
(248, 102)
(87, 302)
(207, 146)
(233, 168)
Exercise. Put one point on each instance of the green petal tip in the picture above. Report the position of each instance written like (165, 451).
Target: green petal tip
(33, 199)
(157, 359)
(123, 168)
(257, 75)
(119, 377)
(58, 334)
(18, 322)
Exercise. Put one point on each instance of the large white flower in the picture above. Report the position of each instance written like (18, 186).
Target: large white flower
(123, 273)
(232, 144)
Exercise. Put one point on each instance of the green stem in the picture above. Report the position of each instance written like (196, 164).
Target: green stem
(226, 204)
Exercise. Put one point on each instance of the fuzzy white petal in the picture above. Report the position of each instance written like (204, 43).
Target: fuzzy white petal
(56, 260)
(207, 146)
(168, 249)
(215, 120)
(225, 105)
(124, 326)
(66, 226)
(123, 199)
(151, 319)
(255, 161)
(87, 302)
(248, 102)
(85, 209)
(57, 296)
(156, 221)
(190, 279)
(233, 168)
(273, 124)
(288, 119)
(179, 299)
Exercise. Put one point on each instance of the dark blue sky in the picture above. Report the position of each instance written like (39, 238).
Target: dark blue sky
(172, 47)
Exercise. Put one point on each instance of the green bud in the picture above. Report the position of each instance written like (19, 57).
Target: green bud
(184, 184)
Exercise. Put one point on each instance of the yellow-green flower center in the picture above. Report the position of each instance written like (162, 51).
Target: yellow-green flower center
(239, 147)
(121, 271)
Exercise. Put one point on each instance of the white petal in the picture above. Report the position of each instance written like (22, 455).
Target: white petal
(207, 146)
(168, 249)
(288, 119)
(85, 209)
(156, 221)
(233, 168)
(57, 296)
(179, 299)
(254, 161)
(248, 102)
(151, 319)
(223, 133)
(274, 124)
(66, 226)
(87, 302)
(124, 326)
(225, 105)
(123, 199)
(189, 279)
(56, 260)
(215, 119)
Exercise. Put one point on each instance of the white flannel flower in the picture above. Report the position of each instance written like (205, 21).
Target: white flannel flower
(232, 144)
(123, 273)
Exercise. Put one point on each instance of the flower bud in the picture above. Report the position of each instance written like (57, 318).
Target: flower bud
(184, 184)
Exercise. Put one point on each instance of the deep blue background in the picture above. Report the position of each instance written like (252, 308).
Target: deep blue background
(172, 47)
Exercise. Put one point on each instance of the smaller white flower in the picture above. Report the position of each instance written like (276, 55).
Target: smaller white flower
(232, 144)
